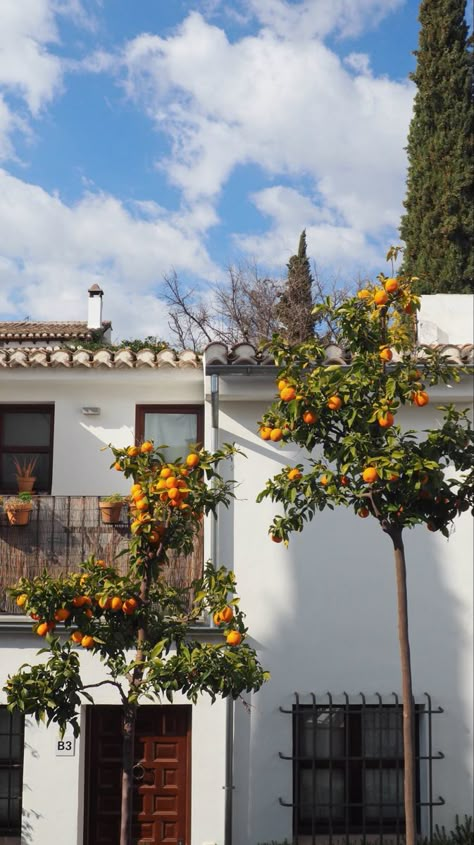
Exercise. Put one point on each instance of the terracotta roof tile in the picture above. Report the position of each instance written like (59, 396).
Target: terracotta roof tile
(28, 330)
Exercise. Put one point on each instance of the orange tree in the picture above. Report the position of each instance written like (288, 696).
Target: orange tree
(357, 455)
(136, 623)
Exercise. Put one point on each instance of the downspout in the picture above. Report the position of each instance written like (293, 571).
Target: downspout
(229, 727)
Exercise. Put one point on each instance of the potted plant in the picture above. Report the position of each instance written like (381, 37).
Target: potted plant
(24, 474)
(18, 508)
(111, 508)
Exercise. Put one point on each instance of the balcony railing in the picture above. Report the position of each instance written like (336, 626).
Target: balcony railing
(62, 532)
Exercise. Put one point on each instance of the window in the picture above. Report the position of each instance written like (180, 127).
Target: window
(176, 426)
(26, 433)
(11, 771)
(348, 768)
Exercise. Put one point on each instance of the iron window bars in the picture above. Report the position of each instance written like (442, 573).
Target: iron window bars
(348, 767)
(11, 771)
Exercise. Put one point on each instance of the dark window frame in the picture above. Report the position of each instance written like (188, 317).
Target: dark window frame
(28, 408)
(154, 408)
(8, 764)
(353, 765)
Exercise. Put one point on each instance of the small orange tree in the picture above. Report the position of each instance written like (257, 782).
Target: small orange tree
(136, 623)
(345, 417)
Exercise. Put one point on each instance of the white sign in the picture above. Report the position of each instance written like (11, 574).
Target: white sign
(66, 745)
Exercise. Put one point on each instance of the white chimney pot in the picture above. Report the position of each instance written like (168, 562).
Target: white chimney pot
(94, 311)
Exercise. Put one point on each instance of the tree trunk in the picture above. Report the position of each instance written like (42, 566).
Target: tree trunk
(126, 809)
(407, 693)
(130, 714)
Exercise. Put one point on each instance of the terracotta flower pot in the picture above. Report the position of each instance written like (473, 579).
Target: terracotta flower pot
(19, 515)
(110, 512)
(25, 484)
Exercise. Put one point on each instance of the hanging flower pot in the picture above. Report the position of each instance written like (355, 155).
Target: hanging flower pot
(18, 509)
(111, 509)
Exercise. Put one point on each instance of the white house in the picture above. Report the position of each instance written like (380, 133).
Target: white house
(325, 731)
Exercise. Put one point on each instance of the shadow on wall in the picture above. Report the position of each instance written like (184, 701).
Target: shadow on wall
(324, 618)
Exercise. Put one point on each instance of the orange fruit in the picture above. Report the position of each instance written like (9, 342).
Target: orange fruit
(100, 563)
(89, 613)
(87, 641)
(62, 614)
(324, 480)
(217, 618)
(386, 353)
(117, 466)
(104, 602)
(21, 600)
(43, 629)
(420, 398)
(334, 403)
(116, 603)
(161, 484)
(282, 384)
(363, 294)
(233, 638)
(183, 471)
(394, 476)
(77, 636)
(344, 481)
(192, 460)
(309, 417)
(431, 526)
(287, 394)
(34, 616)
(363, 513)
(294, 474)
(386, 420)
(226, 614)
(370, 475)
(141, 505)
(80, 601)
(380, 297)
(265, 432)
(275, 538)
(171, 481)
(132, 451)
(409, 308)
(154, 538)
(147, 446)
(173, 493)
(391, 285)
(165, 472)
(276, 435)
(129, 606)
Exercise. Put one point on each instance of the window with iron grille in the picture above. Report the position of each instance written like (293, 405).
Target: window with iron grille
(348, 769)
(26, 434)
(11, 771)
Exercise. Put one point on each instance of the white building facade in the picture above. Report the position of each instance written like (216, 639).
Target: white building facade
(321, 615)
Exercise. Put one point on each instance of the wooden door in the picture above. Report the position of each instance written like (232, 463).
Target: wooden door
(161, 800)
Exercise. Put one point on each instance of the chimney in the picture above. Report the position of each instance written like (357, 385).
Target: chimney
(94, 310)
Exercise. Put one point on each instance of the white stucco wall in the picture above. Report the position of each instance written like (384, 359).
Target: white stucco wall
(80, 467)
(321, 614)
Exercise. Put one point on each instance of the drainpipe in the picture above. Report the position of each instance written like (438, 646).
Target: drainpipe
(229, 727)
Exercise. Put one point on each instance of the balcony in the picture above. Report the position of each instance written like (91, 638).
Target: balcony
(62, 532)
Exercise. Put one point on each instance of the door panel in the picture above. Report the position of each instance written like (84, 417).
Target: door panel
(161, 775)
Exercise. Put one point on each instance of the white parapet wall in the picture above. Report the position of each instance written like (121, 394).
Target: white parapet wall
(446, 318)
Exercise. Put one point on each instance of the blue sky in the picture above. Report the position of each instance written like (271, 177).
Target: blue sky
(140, 137)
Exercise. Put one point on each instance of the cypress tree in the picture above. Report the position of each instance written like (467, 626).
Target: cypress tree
(438, 227)
(296, 302)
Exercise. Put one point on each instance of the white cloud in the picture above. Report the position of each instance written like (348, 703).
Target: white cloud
(289, 106)
(54, 252)
(310, 18)
(330, 243)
